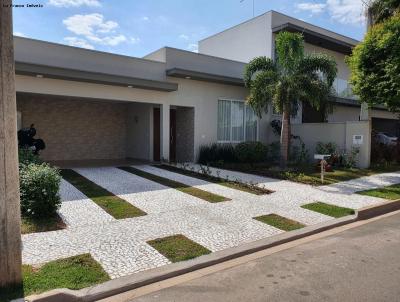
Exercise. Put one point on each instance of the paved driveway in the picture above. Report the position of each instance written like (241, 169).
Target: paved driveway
(120, 245)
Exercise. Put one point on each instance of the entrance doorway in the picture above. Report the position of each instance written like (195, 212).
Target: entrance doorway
(156, 134)
(172, 135)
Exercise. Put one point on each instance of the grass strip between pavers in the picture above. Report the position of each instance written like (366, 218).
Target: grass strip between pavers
(220, 181)
(207, 196)
(74, 273)
(178, 248)
(389, 192)
(30, 225)
(112, 204)
(280, 222)
(328, 209)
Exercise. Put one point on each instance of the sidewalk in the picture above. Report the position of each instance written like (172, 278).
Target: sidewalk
(360, 264)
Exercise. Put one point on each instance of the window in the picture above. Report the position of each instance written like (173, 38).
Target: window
(237, 122)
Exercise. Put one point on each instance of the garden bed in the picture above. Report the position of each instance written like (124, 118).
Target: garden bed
(207, 196)
(389, 192)
(73, 273)
(223, 182)
(30, 225)
(112, 204)
(178, 248)
(307, 174)
(328, 209)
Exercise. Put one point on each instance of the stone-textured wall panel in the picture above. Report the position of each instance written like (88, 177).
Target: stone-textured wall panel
(76, 129)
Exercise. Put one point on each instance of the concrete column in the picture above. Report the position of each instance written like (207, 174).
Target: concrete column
(165, 129)
(10, 218)
(365, 112)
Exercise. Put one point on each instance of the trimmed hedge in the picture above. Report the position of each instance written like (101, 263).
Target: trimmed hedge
(251, 152)
(246, 152)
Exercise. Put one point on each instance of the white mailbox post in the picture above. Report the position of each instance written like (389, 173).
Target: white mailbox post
(323, 158)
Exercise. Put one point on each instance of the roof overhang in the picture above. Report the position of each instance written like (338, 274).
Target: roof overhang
(22, 68)
(317, 38)
(202, 76)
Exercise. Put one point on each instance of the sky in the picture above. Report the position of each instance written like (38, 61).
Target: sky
(136, 28)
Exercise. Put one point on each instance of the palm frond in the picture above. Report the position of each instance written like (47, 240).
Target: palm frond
(257, 65)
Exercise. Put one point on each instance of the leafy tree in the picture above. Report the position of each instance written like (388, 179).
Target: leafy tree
(292, 78)
(375, 65)
(381, 10)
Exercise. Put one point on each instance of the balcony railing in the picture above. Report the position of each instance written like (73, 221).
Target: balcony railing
(343, 89)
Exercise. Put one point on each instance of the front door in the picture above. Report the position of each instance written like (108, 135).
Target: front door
(156, 134)
(172, 135)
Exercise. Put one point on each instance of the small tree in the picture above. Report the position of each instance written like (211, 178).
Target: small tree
(381, 10)
(375, 65)
(292, 78)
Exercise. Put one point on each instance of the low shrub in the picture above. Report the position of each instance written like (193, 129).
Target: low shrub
(26, 157)
(251, 152)
(326, 148)
(216, 153)
(274, 152)
(39, 186)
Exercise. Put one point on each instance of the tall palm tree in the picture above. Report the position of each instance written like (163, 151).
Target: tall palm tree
(292, 78)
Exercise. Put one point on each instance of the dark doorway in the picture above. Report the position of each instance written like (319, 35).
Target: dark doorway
(311, 115)
(156, 134)
(389, 126)
(172, 135)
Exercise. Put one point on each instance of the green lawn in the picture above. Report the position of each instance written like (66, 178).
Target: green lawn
(390, 192)
(223, 182)
(29, 225)
(309, 174)
(74, 273)
(178, 248)
(280, 222)
(207, 196)
(113, 205)
(328, 209)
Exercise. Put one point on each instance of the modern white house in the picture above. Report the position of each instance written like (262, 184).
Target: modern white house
(88, 104)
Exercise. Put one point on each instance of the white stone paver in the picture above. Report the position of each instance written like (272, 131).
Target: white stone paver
(120, 245)
(78, 210)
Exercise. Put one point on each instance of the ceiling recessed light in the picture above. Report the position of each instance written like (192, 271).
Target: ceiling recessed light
(39, 76)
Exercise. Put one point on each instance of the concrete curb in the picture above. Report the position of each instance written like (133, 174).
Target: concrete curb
(123, 284)
(377, 210)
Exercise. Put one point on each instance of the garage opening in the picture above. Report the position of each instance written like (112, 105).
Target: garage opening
(86, 129)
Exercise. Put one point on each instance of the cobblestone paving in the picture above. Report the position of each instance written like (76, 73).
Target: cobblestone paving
(120, 245)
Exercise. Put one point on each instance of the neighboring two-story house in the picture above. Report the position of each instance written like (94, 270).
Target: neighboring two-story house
(88, 104)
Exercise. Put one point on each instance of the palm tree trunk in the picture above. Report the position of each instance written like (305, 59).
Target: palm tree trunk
(10, 219)
(285, 136)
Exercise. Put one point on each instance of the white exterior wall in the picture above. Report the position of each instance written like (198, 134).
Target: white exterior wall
(242, 42)
(343, 114)
(202, 96)
(139, 131)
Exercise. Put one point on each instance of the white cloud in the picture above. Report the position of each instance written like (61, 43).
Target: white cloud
(74, 3)
(74, 41)
(346, 11)
(193, 47)
(314, 8)
(184, 37)
(145, 18)
(89, 24)
(94, 28)
(19, 34)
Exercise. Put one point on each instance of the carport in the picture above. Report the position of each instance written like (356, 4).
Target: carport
(87, 129)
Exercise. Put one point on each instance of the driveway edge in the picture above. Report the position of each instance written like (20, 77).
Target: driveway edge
(123, 284)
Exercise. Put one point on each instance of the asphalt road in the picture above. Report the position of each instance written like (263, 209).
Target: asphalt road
(360, 264)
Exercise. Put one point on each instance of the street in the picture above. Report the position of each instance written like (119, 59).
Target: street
(359, 264)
